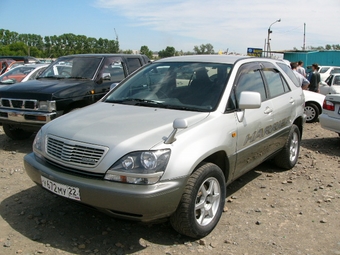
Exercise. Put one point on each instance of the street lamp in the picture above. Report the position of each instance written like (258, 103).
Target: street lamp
(269, 32)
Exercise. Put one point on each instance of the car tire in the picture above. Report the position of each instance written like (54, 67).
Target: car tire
(16, 133)
(288, 156)
(312, 112)
(202, 202)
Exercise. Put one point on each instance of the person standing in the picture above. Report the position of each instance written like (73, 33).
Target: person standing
(303, 82)
(300, 69)
(314, 78)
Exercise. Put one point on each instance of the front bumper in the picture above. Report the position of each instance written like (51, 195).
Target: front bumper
(136, 202)
(26, 117)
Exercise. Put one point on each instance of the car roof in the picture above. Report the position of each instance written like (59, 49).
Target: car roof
(230, 59)
(227, 59)
(102, 55)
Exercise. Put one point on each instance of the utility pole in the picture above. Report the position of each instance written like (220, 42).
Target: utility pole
(304, 37)
(117, 42)
(268, 40)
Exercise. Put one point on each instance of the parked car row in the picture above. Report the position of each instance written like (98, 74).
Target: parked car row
(163, 139)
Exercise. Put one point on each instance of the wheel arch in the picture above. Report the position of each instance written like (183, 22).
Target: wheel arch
(220, 159)
(299, 123)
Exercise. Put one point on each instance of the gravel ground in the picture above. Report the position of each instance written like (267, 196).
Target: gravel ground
(268, 211)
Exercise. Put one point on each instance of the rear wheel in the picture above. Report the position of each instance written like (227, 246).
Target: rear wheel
(312, 112)
(288, 157)
(15, 132)
(202, 202)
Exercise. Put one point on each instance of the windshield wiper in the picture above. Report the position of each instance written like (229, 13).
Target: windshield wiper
(77, 78)
(49, 77)
(136, 101)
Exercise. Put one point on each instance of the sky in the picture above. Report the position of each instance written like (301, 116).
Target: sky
(228, 25)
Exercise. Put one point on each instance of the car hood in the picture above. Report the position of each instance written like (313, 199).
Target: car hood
(126, 126)
(42, 86)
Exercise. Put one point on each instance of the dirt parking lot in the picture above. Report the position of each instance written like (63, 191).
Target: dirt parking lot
(268, 211)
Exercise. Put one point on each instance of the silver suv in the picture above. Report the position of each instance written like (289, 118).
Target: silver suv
(167, 140)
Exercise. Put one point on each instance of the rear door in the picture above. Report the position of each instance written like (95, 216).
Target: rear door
(284, 103)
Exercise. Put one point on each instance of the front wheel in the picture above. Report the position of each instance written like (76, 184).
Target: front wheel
(15, 132)
(288, 156)
(202, 202)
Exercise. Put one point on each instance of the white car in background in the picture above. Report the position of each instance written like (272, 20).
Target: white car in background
(331, 85)
(22, 73)
(313, 105)
(330, 118)
(326, 71)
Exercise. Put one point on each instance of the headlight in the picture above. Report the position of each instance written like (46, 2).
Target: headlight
(48, 106)
(142, 167)
(38, 144)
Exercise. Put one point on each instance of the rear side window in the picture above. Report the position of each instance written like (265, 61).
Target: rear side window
(276, 84)
(133, 64)
(290, 73)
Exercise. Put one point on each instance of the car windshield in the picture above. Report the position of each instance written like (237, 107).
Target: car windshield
(16, 74)
(324, 69)
(73, 67)
(184, 85)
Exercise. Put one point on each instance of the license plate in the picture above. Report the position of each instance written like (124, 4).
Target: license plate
(61, 189)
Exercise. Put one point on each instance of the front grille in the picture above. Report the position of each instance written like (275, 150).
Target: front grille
(29, 104)
(74, 153)
(67, 169)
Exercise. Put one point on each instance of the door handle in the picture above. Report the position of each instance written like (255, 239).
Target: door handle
(268, 110)
(292, 101)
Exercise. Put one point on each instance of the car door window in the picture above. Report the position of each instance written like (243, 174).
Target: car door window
(133, 64)
(251, 81)
(276, 84)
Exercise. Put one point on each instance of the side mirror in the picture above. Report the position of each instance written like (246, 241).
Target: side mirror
(177, 124)
(106, 76)
(249, 100)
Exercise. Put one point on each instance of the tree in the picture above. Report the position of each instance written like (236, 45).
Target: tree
(127, 51)
(204, 49)
(145, 50)
(168, 52)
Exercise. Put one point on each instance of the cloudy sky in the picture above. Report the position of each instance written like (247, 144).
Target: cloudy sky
(232, 25)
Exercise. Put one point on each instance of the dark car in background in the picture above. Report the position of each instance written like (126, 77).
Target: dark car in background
(69, 83)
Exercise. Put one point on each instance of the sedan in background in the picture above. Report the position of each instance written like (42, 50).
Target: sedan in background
(22, 73)
(331, 85)
(326, 71)
(330, 117)
(313, 105)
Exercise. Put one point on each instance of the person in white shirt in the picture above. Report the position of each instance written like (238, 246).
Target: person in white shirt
(303, 81)
(300, 69)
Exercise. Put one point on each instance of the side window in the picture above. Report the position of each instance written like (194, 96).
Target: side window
(276, 84)
(335, 70)
(250, 81)
(133, 64)
(290, 73)
(114, 67)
